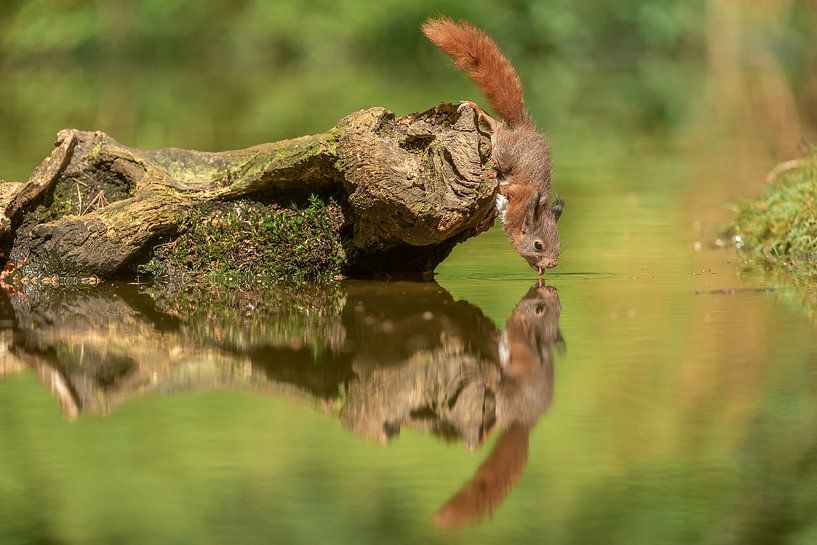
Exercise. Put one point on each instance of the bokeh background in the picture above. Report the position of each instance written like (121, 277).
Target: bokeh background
(232, 73)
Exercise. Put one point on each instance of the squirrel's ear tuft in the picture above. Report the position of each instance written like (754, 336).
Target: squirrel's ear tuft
(557, 207)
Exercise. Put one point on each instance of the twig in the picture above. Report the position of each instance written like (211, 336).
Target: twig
(99, 197)
(784, 167)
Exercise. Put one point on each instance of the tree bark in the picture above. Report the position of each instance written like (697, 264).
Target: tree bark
(410, 188)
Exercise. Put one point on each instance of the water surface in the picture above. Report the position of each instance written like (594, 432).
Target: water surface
(649, 393)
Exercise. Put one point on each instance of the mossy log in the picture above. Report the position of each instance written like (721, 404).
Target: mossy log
(409, 188)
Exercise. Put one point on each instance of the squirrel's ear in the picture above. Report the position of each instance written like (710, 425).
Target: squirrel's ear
(527, 223)
(557, 207)
(538, 205)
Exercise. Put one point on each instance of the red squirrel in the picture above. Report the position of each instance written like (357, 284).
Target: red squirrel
(521, 155)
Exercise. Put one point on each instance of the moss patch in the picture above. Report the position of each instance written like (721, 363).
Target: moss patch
(308, 314)
(780, 226)
(244, 244)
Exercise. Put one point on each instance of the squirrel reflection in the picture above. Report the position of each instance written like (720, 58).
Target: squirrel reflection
(523, 395)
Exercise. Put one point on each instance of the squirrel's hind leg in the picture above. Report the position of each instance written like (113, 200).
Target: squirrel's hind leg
(480, 113)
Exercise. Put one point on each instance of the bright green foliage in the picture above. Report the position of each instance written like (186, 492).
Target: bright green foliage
(245, 244)
(227, 74)
(259, 32)
(780, 226)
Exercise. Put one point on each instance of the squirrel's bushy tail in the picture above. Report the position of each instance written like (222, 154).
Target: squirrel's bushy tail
(477, 55)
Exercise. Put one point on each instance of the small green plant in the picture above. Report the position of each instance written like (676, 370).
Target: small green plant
(244, 244)
(780, 226)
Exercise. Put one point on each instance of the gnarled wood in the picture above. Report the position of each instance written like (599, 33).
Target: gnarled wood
(410, 189)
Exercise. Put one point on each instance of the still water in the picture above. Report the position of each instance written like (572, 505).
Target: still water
(649, 390)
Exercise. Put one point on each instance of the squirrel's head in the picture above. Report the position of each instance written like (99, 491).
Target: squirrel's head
(526, 351)
(539, 243)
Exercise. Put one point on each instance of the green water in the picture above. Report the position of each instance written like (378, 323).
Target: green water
(682, 407)
(655, 393)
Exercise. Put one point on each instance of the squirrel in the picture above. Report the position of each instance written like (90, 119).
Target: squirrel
(521, 155)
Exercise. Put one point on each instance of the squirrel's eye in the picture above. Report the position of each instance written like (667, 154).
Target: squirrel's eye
(540, 308)
(537, 244)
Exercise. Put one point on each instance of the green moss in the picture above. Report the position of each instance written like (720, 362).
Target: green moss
(244, 244)
(780, 226)
(64, 202)
(331, 141)
(268, 316)
(254, 167)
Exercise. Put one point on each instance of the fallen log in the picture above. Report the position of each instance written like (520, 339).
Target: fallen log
(406, 189)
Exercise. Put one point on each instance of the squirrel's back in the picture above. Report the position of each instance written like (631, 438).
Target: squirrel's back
(477, 54)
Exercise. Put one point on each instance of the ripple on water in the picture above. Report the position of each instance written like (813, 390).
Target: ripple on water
(546, 278)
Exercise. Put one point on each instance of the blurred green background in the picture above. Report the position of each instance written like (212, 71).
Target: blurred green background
(225, 74)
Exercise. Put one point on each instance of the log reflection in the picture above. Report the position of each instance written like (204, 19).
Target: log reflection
(378, 356)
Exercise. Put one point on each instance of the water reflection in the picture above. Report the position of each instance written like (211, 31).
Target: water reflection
(524, 392)
(380, 357)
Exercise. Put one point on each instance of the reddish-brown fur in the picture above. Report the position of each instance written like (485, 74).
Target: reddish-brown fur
(521, 154)
(494, 479)
(475, 53)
